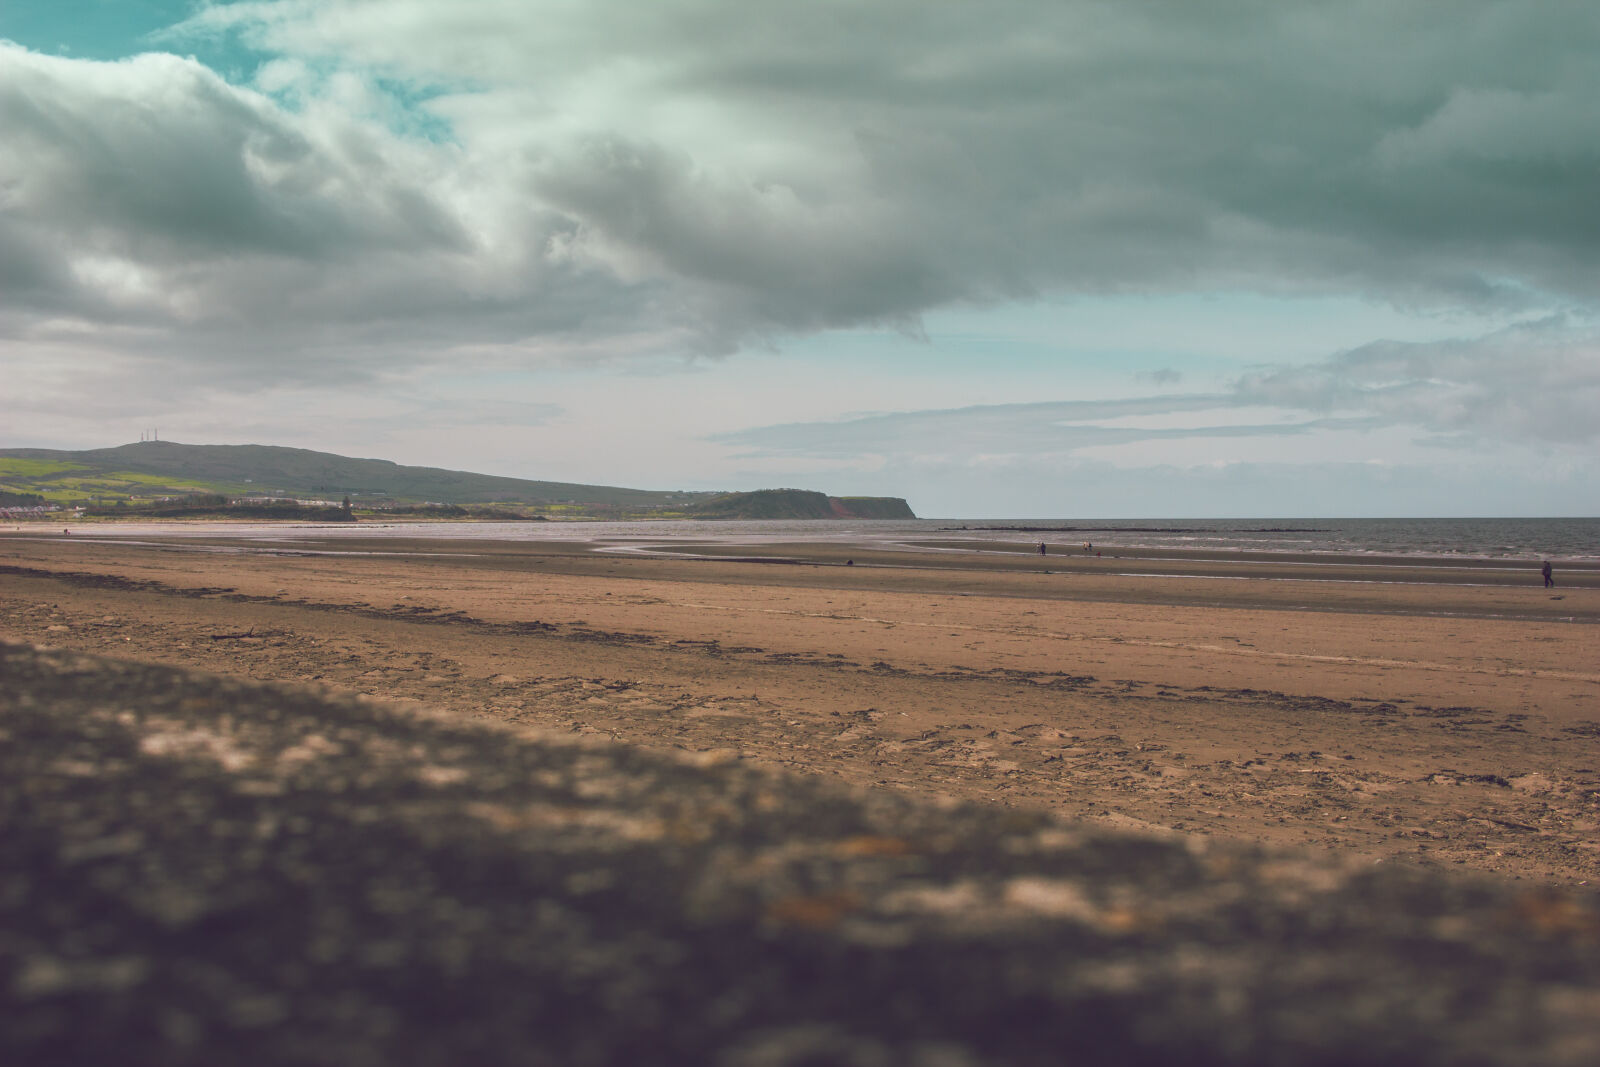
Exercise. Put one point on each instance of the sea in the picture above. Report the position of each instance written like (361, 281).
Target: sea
(1571, 539)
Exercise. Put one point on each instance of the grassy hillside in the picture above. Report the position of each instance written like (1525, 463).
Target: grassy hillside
(153, 475)
(153, 469)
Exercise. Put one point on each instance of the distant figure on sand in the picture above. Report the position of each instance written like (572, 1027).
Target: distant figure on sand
(1041, 548)
(1545, 570)
(1087, 546)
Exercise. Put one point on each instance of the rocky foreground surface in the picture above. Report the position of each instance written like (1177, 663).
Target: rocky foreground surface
(202, 871)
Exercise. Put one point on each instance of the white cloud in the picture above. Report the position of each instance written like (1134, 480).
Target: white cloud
(498, 172)
(260, 242)
(1532, 382)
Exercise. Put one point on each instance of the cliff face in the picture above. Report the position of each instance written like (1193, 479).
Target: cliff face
(801, 504)
(872, 507)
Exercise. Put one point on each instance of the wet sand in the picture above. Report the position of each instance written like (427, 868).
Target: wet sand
(1441, 713)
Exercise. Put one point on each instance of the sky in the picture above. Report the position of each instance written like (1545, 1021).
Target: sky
(1028, 259)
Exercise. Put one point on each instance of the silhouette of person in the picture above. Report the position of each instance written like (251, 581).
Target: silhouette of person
(1545, 570)
(1041, 548)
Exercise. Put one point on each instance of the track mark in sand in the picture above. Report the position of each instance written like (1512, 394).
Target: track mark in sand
(1224, 650)
(1365, 661)
(581, 632)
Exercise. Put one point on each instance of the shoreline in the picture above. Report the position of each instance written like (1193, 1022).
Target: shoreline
(1357, 540)
(726, 544)
(1385, 585)
(1308, 585)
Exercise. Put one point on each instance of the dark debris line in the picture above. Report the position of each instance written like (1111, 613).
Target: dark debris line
(202, 871)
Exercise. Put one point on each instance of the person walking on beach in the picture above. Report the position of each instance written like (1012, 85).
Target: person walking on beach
(1041, 548)
(1549, 582)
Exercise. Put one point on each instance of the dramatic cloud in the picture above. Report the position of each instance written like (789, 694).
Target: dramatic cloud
(418, 175)
(844, 162)
(207, 221)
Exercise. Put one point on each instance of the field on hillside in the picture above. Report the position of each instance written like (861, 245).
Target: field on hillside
(62, 482)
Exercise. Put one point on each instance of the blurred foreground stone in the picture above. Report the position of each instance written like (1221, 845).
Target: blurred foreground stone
(201, 871)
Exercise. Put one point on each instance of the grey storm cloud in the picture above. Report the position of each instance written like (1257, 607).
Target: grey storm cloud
(722, 173)
(160, 151)
(212, 222)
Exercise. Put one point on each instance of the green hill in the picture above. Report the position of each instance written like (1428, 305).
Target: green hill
(153, 469)
(150, 473)
(799, 504)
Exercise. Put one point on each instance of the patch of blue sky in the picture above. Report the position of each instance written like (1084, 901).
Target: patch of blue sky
(1116, 346)
(1110, 346)
(114, 29)
(411, 116)
(1236, 327)
(398, 104)
(108, 30)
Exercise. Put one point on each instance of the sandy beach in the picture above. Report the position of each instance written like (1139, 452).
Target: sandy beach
(1440, 713)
